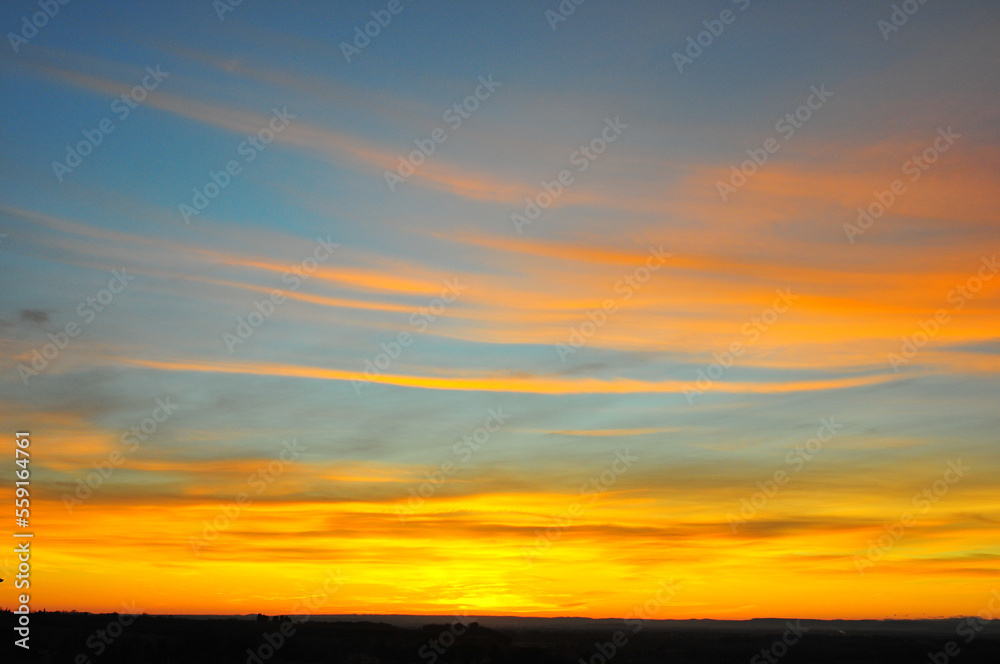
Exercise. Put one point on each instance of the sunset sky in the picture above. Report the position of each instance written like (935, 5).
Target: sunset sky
(599, 355)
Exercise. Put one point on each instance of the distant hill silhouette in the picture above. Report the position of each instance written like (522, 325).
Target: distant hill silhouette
(60, 638)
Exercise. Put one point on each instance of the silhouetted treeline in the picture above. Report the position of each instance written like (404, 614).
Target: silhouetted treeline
(82, 638)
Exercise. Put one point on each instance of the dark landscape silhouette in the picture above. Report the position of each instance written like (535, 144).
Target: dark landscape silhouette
(85, 638)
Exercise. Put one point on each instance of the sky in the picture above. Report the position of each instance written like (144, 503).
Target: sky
(499, 310)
